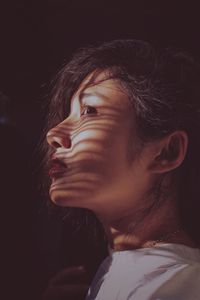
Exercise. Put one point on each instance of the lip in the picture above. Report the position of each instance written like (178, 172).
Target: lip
(56, 168)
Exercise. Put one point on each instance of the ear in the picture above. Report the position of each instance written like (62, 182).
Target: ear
(169, 153)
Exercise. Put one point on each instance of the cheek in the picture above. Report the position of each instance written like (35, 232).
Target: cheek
(88, 168)
(94, 163)
(92, 140)
(95, 144)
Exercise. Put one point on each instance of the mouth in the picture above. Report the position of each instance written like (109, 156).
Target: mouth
(56, 168)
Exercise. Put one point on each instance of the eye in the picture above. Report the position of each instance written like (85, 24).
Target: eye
(88, 110)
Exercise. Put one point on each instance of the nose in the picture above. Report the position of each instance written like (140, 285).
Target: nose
(58, 139)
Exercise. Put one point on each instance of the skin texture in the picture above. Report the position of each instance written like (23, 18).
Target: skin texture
(107, 171)
(96, 142)
(93, 142)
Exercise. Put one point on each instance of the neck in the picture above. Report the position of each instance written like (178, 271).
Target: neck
(159, 226)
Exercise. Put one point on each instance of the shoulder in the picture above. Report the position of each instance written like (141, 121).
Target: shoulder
(167, 272)
(183, 285)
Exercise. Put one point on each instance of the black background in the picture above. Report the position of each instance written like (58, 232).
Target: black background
(36, 37)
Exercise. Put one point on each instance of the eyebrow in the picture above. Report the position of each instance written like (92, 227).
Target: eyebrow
(86, 94)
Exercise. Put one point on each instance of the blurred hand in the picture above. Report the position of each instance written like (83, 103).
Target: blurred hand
(71, 283)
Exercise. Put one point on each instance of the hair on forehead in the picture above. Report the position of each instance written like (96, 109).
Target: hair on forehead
(95, 79)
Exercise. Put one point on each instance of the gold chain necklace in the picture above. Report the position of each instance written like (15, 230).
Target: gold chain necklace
(163, 238)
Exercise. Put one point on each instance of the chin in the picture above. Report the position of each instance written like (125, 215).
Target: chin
(59, 201)
(68, 199)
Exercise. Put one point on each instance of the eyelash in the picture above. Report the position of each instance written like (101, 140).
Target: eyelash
(86, 109)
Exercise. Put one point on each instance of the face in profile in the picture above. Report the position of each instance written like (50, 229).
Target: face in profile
(91, 166)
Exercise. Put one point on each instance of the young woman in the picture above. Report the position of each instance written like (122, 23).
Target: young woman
(125, 145)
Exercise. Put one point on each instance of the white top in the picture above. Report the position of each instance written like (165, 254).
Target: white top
(164, 272)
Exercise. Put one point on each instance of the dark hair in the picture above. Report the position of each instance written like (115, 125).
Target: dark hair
(164, 88)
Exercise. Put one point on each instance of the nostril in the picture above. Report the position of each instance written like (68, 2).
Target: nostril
(67, 143)
(57, 141)
(56, 144)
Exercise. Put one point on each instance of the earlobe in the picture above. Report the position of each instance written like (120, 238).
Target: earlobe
(170, 152)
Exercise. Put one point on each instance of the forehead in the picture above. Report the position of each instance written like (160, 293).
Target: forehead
(102, 86)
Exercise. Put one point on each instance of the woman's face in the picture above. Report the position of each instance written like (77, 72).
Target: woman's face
(91, 166)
